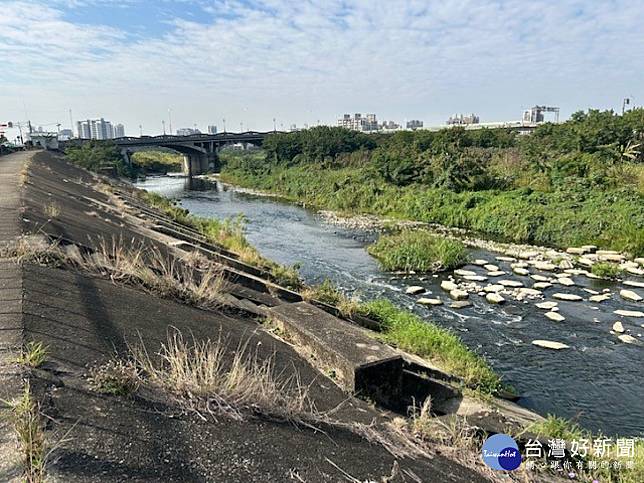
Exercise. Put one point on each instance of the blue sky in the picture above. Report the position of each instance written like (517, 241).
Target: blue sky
(300, 62)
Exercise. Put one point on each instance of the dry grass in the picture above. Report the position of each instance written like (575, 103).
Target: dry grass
(117, 377)
(210, 378)
(140, 266)
(32, 355)
(328, 293)
(29, 429)
(52, 210)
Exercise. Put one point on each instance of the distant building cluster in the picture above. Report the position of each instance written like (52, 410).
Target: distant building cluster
(212, 129)
(460, 119)
(535, 114)
(358, 122)
(389, 125)
(99, 129)
(188, 131)
(414, 124)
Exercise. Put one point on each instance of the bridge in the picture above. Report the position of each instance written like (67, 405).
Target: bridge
(199, 150)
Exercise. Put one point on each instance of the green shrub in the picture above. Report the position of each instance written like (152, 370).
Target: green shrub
(606, 270)
(419, 251)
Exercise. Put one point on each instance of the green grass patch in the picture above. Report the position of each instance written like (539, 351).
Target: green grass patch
(33, 355)
(436, 344)
(606, 270)
(418, 250)
(328, 293)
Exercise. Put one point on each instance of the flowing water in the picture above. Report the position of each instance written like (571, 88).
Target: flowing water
(598, 381)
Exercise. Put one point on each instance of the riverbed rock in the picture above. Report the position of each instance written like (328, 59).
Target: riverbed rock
(521, 271)
(640, 261)
(542, 285)
(458, 294)
(575, 271)
(480, 262)
(566, 265)
(529, 292)
(610, 257)
(448, 285)
(567, 282)
(475, 278)
(567, 296)
(497, 273)
(493, 288)
(545, 266)
(429, 301)
(590, 291)
(415, 290)
(506, 259)
(632, 283)
(585, 261)
(549, 344)
(460, 304)
(528, 254)
(627, 339)
(463, 273)
(630, 313)
(494, 298)
(635, 271)
(590, 248)
(630, 295)
(618, 327)
(491, 268)
(599, 298)
(576, 250)
(555, 316)
(539, 278)
(547, 305)
(510, 283)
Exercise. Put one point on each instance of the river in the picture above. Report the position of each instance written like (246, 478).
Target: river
(597, 381)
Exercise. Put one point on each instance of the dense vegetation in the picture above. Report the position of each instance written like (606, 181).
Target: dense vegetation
(157, 161)
(418, 250)
(565, 184)
(106, 156)
(100, 156)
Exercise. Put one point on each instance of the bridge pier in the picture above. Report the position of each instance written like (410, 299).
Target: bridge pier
(126, 156)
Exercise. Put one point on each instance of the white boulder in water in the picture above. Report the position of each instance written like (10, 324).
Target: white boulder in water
(567, 296)
(618, 327)
(555, 316)
(547, 305)
(448, 285)
(627, 339)
(415, 289)
(630, 313)
(549, 344)
(494, 298)
(630, 295)
(429, 301)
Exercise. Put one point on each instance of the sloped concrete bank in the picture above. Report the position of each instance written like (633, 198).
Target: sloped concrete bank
(86, 319)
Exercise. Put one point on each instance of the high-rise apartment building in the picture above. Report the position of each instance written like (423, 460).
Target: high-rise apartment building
(212, 129)
(99, 129)
(358, 122)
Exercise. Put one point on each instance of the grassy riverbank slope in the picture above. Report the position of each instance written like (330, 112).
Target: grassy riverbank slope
(578, 182)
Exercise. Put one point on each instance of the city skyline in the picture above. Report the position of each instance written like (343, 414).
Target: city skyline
(252, 62)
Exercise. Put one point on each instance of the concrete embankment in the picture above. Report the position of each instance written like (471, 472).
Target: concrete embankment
(86, 317)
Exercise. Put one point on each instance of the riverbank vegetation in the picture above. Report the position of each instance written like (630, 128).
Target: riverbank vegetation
(438, 345)
(419, 251)
(157, 161)
(578, 182)
(99, 156)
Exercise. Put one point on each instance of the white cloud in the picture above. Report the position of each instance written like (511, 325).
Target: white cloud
(303, 61)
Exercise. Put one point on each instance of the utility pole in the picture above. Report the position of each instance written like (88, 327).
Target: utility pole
(163, 123)
(241, 127)
(224, 119)
(274, 125)
(140, 130)
(170, 119)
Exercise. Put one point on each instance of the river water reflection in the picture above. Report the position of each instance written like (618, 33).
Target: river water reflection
(598, 381)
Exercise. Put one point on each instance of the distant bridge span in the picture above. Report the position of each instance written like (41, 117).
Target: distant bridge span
(199, 150)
